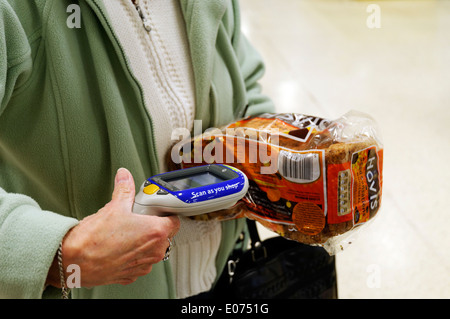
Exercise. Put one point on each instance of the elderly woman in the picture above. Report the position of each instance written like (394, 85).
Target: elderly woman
(87, 88)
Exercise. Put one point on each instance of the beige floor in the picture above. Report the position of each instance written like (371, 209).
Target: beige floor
(323, 59)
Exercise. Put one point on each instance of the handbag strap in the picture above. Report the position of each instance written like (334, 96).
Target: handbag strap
(257, 247)
(253, 231)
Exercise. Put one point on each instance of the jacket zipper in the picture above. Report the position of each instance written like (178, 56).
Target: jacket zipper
(157, 56)
(145, 21)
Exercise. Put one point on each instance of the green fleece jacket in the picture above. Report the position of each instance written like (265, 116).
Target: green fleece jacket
(72, 113)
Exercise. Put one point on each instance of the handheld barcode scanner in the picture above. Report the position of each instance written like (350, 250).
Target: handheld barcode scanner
(191, 191)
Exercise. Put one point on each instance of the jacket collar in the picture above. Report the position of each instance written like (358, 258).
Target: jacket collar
(202, 19)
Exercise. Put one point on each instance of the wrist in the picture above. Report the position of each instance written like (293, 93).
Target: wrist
(57, 275)
(53, 274)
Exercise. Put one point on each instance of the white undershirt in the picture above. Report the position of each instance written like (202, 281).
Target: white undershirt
(160, 61)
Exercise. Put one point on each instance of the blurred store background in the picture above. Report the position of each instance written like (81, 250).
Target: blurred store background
(390, 59)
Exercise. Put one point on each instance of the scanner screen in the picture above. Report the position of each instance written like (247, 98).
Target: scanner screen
(197, 180)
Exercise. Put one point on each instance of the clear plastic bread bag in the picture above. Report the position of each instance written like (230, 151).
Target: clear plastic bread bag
(312, 180)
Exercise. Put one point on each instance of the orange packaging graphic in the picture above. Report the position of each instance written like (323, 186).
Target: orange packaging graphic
(311, 179)
(355, 187)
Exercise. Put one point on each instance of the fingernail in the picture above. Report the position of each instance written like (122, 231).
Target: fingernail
(122, 175)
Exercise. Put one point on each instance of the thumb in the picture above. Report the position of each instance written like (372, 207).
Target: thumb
(124, 189)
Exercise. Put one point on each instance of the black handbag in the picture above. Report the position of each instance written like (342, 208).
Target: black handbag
(278, 268)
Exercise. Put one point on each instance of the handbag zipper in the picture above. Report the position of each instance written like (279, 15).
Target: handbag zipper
(145, 21)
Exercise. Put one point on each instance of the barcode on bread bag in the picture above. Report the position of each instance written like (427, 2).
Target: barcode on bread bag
(299, 167)
(344, 190)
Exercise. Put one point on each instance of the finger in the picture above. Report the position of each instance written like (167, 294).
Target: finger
(143, 268)
(167, 226)
(172, 224)
(124, 189)
(125, 281)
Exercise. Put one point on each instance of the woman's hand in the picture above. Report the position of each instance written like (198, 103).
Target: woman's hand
(116, 246)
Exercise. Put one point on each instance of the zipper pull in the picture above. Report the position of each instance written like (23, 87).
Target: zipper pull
(145, 21)
(231, 269)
